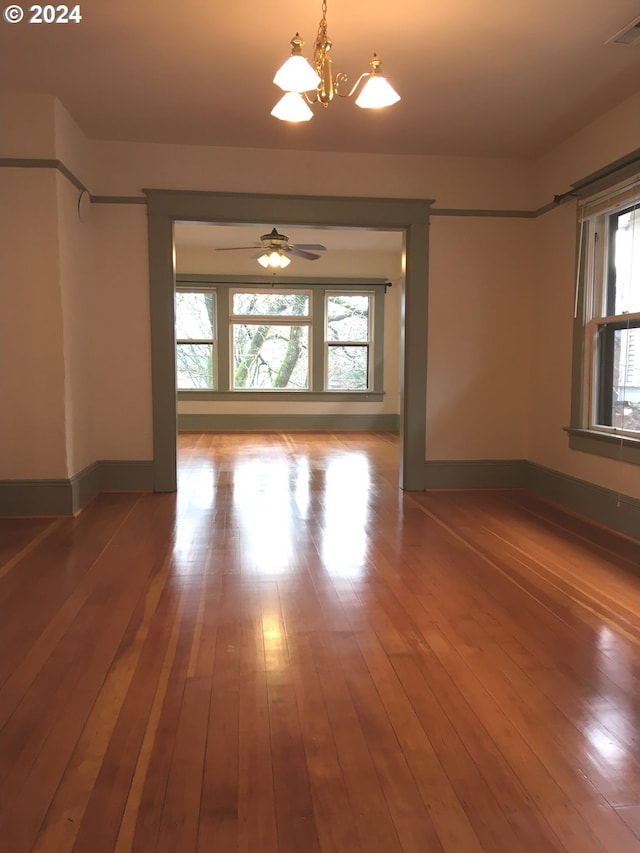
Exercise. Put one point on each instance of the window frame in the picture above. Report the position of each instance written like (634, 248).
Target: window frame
(305, 320)
(213, 341)
(594, 319)
(369, 343)
(317, 391)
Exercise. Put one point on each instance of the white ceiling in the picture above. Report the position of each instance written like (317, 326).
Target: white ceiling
(498, 77)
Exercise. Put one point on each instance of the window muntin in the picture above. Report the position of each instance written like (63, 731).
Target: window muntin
(270, 340)
(195, 339)
(612, 326)
(348, 341)
(261, 303)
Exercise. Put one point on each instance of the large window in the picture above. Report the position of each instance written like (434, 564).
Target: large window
(195, 339)
(610, 313)
(234, 338)
(270, 339)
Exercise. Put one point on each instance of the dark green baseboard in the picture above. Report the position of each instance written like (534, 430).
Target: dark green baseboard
(287, 422)
(66, 497)
(475, 474)
(619, 512)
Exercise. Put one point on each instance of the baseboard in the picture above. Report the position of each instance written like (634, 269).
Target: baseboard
(68, 496)
(36, 497)
(474, 473)
(618, 512)
(287, 422)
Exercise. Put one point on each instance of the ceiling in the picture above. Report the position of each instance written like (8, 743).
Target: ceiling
(218, 236)
(497, 78)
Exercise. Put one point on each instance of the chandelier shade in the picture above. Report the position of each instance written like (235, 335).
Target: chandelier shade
(292, 107)
(377, 93)
(296, 75)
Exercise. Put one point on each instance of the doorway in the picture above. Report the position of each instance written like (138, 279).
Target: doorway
(411, 216)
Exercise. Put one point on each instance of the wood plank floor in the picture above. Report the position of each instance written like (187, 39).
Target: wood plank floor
(292, 655)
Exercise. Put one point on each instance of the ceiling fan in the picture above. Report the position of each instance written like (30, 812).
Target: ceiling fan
(274, 248)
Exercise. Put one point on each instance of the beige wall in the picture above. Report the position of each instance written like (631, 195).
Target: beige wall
(122, 391)
(478, 367)
(501, 289)
(77, 291)
(32, 372)
(125, 168)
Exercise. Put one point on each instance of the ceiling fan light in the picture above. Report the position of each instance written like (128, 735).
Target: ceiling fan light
(274, 260)
(296, 75)
(292, 107)
(376, 93)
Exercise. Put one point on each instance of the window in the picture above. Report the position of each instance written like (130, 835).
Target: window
(613, 327)
(195, 339)
(609, 315)
(270, 339)
(348, 339)
(234, 339)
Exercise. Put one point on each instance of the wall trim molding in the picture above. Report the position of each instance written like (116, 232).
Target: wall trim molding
(499, 214)
(68, 496)
(281, 422)
(59, 166)
(619, 167)
(604, 506)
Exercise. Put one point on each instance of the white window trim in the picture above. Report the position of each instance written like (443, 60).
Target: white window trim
(585, 433)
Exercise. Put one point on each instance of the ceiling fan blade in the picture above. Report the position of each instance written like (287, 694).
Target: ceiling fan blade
(315, 247)
(300, 253)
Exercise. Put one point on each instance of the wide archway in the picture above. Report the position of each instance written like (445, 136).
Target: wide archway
(411, 216)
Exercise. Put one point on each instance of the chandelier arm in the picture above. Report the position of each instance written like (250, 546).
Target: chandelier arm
(342, 78)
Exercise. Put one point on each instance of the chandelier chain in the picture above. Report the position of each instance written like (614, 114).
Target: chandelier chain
(322, 44)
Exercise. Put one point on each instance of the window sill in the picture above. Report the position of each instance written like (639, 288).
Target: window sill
(622, 448)
(298, 396)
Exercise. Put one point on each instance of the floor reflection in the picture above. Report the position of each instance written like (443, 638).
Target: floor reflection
(265, 497)
(343, 541)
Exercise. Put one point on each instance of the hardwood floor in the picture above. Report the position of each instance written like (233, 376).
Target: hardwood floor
(292, 655)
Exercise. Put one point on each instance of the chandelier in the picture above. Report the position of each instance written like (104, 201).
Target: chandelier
(305, 84)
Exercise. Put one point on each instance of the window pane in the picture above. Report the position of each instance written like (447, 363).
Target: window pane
(194, 316)
(348, 368)
(619, 377)
(627, 263)
(348, 318)
(194, 365)
(270, 356)
(287, 304)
